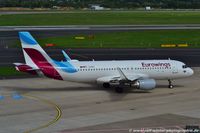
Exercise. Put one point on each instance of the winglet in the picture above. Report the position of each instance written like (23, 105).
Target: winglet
(122, 75)
(66, 56)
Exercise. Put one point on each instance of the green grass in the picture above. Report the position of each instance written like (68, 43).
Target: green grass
(133, 39)
(9, 71)
(102, 18)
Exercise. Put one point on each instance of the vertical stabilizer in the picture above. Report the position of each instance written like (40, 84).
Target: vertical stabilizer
(30, 47)
(36, 57)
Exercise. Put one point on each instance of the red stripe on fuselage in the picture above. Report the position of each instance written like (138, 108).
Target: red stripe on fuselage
(43, 64)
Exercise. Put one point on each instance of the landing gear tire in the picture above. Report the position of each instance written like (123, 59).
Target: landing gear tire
(170, 84)
(119, 90)
(106, 85)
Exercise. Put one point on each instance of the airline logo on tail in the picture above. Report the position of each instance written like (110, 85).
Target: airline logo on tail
(26, 38)
(38, 61)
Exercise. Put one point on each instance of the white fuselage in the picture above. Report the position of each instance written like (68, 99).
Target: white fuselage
(90, 71)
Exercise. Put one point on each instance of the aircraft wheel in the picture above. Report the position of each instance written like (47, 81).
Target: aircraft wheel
(106, 85)
(171, 86)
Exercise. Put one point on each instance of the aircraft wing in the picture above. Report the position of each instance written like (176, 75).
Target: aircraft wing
(118, 78)
(66, 56)
(121, 77)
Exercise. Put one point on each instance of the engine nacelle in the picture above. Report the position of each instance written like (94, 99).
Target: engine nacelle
(145, 84)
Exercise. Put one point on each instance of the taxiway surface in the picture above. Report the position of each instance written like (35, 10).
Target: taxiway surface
(9, 54)
(50, 106)
(189, 56)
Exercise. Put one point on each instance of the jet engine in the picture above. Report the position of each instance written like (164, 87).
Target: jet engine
(145, 84)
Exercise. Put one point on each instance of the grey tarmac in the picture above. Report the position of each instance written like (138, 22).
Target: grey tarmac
(87, 108)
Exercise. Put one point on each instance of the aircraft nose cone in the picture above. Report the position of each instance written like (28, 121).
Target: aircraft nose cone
(191, 72)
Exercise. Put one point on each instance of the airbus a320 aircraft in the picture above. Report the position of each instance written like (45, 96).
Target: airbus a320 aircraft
(139, 74)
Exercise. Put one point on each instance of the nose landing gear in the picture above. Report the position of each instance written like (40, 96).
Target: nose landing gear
(171, 86)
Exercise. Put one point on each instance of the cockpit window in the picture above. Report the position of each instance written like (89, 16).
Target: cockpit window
(184, 66)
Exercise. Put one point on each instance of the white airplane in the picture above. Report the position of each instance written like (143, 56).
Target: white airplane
(139, 74)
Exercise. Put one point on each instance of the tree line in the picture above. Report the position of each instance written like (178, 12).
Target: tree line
(169, 4)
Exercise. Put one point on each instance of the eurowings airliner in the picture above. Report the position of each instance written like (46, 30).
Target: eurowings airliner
(138, 74)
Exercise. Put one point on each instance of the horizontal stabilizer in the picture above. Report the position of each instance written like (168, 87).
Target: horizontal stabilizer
(18, 64)
(25, 65)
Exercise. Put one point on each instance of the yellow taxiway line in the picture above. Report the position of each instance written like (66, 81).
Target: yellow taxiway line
(54, 105)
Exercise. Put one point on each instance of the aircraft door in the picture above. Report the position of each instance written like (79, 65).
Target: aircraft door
(174, 70)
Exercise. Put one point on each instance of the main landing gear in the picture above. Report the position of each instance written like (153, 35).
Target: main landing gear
(106, 85)
(118, 89)
(170, 84)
